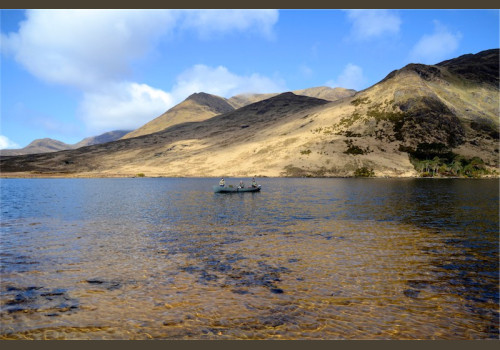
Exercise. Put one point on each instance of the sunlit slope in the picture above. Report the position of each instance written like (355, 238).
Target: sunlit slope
(226, 143)
(202, 106)
(449, 104)
(455, 105)
(326, 93)
(37, 146)
(323, 92)
(197, 107)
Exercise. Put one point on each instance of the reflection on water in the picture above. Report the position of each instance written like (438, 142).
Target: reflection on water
(303, 259)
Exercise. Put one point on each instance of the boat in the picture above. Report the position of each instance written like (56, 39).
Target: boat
(234, 189)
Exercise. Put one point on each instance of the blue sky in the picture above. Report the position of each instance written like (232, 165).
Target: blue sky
(77, 73)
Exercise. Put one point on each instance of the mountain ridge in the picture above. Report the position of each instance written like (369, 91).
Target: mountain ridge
(420, 120)
(51, 145)
(323, 92)
(201, 106)
(196, 107)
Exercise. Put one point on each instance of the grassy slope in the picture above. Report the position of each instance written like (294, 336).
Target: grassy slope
(291, 135)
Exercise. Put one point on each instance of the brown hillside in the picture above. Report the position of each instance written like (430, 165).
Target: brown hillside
(50, 145)
(197, 107)
(323, 92)
(37, 146)
(326, 93)
(184, 149)
(414, 109)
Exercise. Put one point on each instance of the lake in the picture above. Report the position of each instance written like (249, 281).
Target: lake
(162, 258)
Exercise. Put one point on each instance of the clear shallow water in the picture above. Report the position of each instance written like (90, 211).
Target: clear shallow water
(303, 259)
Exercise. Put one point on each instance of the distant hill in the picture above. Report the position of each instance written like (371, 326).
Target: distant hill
(202, 106)
(103, 138)
(420, 120)
(243, 100)
(197, 107)
(37, 146)
(326, 93)
(49, 145)
(323, 92)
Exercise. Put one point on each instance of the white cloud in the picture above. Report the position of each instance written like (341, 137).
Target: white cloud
(351, 78)
(433, 48)
(83, 48)
(5, 142)
(93, 51)
(123, 106)
(220, 81)
(212, 22)
(370, 24)
(130, 105)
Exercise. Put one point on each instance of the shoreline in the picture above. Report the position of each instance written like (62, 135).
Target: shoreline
(25, 175)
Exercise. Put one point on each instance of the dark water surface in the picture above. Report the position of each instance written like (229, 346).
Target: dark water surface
(303, 259)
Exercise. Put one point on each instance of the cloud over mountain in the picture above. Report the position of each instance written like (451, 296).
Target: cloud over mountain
(129, 105)
(439, 45)
(351, 77)
(122, 104)
(94, 51)
(220, 81)
(5, 142)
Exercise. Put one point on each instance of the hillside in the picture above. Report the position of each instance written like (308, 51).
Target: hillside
(197, 107)
(37, 146)
(419, 120)
(243, 100)
(323, 92)
(49, 145)
(202, 106)
(103, 138)
(326, 93)
(185, 149)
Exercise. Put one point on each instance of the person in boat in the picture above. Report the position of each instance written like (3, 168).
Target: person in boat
(254, 183)
(222, 183)
(241, 185)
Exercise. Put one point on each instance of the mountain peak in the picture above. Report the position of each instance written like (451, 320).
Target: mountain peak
(103, 138)
(397, 128)
(481, 67)
(215, 103)
(196, 107)
(287, 94)
(46, 142)
(284, 101)
(291, 96)
(200, 96)
(46, 145)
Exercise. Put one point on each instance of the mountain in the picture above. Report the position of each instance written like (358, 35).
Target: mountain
(186, 149)
(326, 93)
(197, 107)
(202, 106)
(49, 145)
(37, 146)
(243, 100)
(103, 138)
(419, 120)
(323, 92)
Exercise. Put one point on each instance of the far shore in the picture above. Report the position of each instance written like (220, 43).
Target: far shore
(54, 175)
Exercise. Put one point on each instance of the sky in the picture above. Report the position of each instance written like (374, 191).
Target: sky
(70, 74)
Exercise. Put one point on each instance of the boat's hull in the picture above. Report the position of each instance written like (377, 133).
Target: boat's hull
(226, 189)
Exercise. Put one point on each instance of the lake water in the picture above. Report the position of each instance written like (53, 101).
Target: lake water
(303, 259)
